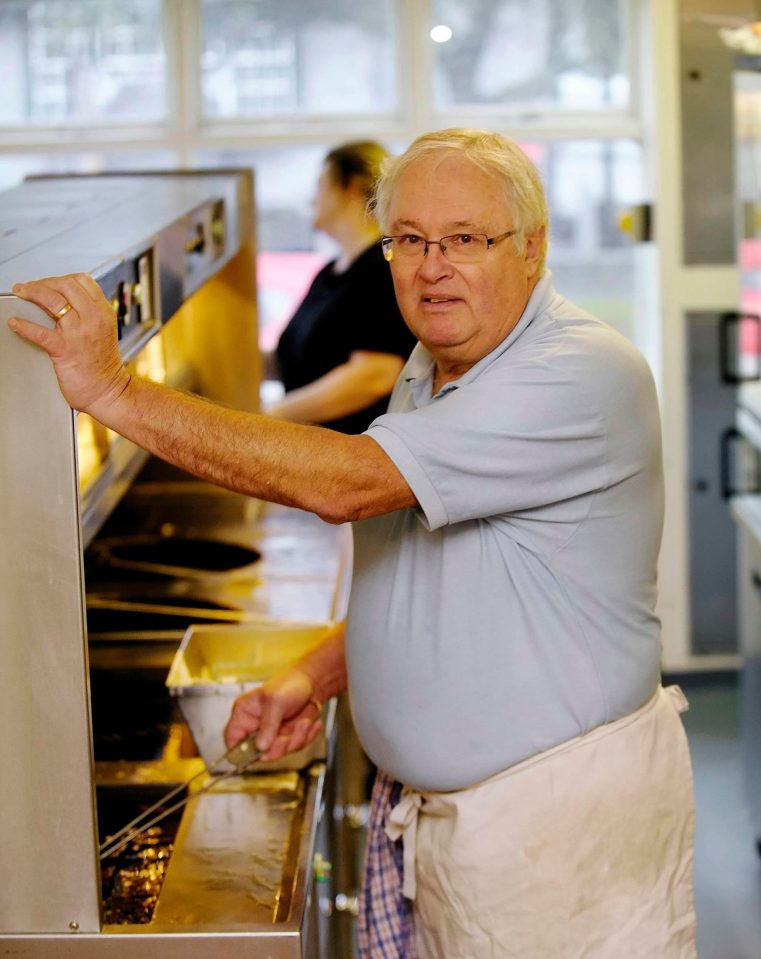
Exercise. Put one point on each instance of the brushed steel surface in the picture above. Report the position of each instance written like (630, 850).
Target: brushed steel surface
(272, 944)
(707, 130)
(47, 826)
(238, 883)
(93, 224)
(713, 543)
(95, 219)
(50, 903)
(747, 513)
(235, 859)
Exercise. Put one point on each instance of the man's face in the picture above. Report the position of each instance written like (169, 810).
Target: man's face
(460, 312)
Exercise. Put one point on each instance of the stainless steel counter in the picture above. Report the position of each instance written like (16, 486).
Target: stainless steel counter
(240, 878)
(239, 881)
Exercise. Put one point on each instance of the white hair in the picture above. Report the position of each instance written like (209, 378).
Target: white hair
(496, 155)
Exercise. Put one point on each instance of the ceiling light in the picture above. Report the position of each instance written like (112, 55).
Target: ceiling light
(441, 33)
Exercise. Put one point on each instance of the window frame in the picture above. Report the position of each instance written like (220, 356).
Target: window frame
(184, 131)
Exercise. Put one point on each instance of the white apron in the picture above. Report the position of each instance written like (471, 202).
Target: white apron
(582, 852)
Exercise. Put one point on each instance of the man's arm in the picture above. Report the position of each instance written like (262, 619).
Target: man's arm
(337, 477)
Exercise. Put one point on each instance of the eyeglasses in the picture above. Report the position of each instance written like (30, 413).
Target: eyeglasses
(457, 248)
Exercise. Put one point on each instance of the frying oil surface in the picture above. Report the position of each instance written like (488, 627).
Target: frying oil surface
(131, 880)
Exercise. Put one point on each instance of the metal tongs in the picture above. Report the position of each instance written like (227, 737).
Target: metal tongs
(241, 757)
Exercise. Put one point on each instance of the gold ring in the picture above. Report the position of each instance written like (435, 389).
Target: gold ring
(63, 311)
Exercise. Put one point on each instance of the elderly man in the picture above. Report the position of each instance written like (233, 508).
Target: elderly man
(534, 797)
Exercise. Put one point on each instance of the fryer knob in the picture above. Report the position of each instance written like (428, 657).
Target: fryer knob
(356, 816)
(348, 904)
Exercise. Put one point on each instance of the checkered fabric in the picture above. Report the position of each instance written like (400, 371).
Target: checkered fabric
(385, 926)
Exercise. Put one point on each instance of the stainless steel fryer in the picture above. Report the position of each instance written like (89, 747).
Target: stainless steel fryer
(187, 314)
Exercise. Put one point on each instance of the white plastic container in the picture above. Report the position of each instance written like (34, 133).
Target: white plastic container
(217, 663)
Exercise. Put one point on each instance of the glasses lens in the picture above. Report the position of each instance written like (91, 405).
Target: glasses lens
(465, 247)
(410, 246)
(458, 247)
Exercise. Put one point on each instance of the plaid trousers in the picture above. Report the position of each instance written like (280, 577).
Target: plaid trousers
(385, 925)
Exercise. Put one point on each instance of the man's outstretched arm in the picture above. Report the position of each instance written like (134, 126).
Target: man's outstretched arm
(337, 477)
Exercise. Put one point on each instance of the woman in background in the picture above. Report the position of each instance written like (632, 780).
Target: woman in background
(345, 346)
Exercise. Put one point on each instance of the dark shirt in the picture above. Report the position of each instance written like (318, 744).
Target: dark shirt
(343, 313)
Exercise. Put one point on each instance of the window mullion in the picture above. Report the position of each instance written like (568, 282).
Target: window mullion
(415, 73)
(182, 27)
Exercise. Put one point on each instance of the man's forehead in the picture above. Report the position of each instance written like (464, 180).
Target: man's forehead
(449, 188)
(444, 162)
(454, 226)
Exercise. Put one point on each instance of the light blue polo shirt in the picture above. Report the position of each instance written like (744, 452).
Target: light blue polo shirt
(514, 609)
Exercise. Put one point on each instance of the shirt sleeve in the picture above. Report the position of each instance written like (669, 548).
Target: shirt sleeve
(527, 438)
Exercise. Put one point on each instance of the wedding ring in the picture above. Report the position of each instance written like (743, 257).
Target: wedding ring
(63, 311)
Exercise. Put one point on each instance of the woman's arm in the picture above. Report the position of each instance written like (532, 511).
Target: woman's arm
(365, 378)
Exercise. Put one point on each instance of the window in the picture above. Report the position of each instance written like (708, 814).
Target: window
(15, 166)
(88, 86)
(289, 251)
(547, 54)
(64, 62)
(589, 183)
(297, 58)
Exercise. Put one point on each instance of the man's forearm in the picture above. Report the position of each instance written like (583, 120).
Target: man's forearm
(326, 666)
(335, 476)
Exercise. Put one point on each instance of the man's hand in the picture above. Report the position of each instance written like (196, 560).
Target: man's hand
(83, 345)
(284, 711)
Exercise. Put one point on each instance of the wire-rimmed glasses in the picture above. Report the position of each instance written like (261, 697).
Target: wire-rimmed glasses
(457, 247)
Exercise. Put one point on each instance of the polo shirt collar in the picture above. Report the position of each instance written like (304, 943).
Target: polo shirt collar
(420, 366)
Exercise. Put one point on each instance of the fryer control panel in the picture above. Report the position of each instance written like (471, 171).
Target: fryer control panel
(130, 288)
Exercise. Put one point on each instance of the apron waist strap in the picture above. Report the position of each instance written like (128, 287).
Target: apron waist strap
(402, 821)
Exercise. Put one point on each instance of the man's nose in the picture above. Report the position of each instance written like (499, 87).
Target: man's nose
(434, 263)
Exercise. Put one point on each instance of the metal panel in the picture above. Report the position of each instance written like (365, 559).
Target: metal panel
(747, 511)
(707, 126)
(211, 906)
(712, 405)
(95, 220)
(47, 827)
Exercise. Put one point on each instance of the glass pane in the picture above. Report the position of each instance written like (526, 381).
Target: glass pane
(297, 57)
(546, 54)
(95, 60)
(15, 166)
(289, 252)
(589, 183)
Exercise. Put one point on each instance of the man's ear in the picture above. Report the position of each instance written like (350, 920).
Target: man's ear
(535, 246)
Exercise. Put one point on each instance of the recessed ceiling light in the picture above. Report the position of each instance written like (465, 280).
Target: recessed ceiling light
(441, 33)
